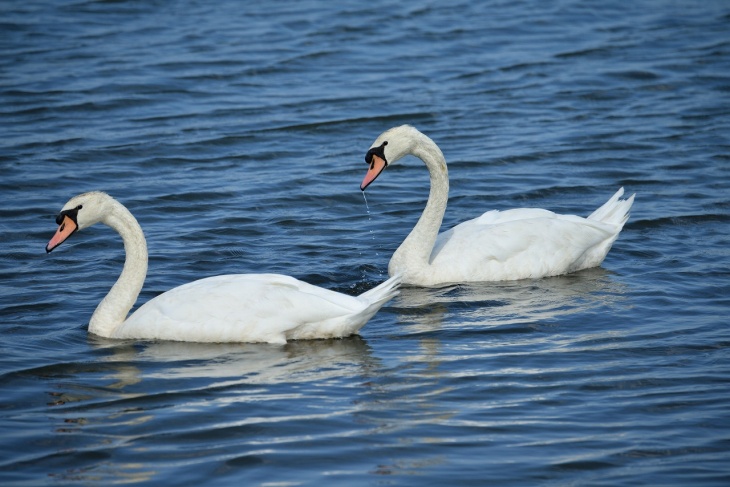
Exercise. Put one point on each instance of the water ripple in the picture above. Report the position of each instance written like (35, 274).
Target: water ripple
(236, 134)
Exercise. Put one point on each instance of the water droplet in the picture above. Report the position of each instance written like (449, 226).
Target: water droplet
(366, 202)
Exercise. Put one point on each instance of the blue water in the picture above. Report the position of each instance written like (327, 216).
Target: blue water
(236, 134)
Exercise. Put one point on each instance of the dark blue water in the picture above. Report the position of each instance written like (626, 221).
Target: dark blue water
(236, 134)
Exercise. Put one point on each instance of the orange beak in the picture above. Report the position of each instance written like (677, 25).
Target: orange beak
(376, 167)
(65, 230)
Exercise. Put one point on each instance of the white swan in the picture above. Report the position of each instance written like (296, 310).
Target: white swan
(499, 245)
(231, 308)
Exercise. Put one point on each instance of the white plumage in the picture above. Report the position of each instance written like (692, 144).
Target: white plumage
(229, 308)
(498, 245)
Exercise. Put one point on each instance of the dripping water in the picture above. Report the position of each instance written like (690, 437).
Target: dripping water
(372, 232)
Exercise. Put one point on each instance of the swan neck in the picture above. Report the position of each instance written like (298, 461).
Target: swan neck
(113, 309)
(415, 251)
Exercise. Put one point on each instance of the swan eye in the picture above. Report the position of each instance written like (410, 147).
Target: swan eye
(377, 151)
(72, 214)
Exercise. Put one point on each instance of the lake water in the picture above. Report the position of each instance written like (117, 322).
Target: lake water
(236, 133)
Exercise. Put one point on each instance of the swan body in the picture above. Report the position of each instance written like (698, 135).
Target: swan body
(499, 245)
(229, 308)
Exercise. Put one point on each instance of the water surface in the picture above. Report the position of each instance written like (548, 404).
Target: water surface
(236, 135)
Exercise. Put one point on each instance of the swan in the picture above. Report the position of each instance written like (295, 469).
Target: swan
(229, 308)
(499, 245)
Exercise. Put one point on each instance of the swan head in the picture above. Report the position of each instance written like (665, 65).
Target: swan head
(78, 213)
(391, 145)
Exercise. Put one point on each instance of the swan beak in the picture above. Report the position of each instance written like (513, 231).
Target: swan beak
(65, 230)
(377, 165)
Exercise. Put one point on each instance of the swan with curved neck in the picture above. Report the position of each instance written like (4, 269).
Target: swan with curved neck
(229, 308)
(499, 245)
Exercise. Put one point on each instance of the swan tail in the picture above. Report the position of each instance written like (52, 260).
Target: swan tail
(615, 211)
(384, 292)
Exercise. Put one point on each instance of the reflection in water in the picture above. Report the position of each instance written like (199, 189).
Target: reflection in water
(249, 363)
(507, 303)
(440, 368)
(138, 384)
(123, 401)
(498, 318)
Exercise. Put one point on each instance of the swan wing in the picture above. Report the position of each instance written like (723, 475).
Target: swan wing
(519, 243)
(244, 308)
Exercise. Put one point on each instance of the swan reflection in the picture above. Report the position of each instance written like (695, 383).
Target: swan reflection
(506, 303)
(297, 360)
(126, 395)
(246, 395)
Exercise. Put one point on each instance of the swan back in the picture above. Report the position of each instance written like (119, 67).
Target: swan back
(253, 308)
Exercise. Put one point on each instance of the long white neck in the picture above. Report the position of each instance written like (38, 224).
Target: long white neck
(415, 251)
(113, 309)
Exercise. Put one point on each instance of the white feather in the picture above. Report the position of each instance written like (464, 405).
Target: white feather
(230, 308)
(498, 245)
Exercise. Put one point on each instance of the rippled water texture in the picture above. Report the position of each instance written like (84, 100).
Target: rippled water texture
(236, 134)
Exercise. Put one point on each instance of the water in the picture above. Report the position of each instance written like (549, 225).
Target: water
(236, 134)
